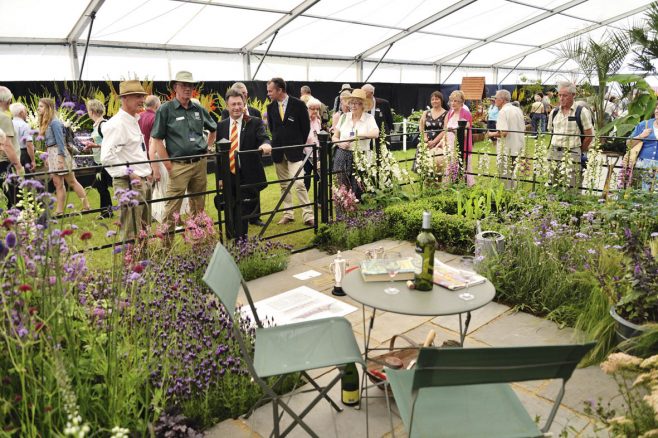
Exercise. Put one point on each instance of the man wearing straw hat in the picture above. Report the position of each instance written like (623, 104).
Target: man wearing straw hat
(179, 125)
(123, 142)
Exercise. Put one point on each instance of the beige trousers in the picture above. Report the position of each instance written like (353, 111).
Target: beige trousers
(134, 219)
(190, 177)
(284, 170)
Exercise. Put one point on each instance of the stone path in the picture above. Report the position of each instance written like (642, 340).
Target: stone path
(492, 325)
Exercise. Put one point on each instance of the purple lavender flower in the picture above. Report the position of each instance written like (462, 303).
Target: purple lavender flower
(68, 104)
(10, 239)
(80, 113)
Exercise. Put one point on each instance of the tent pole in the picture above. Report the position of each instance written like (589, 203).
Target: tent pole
(84, 56)
(264, 55)
(457, 66)
(379, 62)
(510, 72)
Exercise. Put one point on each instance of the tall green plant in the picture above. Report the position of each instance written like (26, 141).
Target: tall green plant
(645, 39)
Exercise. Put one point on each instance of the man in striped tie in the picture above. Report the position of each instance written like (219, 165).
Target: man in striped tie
(248, 139)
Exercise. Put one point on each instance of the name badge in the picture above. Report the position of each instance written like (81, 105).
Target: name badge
(572, 118)
(351, 133)
(291, 119)
(197, 116)
(180, 118)
(192, 139)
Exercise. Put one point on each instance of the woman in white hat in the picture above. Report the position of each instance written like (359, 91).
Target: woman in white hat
(59, 158)
(352, 125)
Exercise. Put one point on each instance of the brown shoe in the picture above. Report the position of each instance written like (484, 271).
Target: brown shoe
(310, 222)
(286, 220)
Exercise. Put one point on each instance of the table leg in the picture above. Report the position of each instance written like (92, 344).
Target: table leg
(463, 330)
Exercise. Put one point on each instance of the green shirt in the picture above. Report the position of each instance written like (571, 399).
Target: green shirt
(8, 127)
(182, 129)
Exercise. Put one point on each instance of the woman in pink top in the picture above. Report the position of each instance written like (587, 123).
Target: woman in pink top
(456, 113)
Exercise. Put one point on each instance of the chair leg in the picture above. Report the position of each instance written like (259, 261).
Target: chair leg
(319, 389)
(275, 417)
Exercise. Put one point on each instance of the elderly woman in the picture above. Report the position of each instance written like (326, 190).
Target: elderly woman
(354, 124)
(103, 180)
(456, 113)
(343, 108)
(313, 106)
(59, 159)
(644, 151)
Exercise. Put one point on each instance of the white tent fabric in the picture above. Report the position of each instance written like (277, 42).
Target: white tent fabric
(417, 41)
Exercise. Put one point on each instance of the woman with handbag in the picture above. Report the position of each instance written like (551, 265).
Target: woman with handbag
(59, 158)
(643, 152)
(431, 126)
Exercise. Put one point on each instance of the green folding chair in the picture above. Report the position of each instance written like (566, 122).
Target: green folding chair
(285, 349)
(464, 392)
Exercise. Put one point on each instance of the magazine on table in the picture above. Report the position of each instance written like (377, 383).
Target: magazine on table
(375, 270)
(454, 278)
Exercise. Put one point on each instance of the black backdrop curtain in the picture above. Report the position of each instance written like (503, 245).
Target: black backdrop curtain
(404, 98)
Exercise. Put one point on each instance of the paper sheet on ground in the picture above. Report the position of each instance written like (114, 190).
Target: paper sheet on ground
(307, 275)
(299, 304)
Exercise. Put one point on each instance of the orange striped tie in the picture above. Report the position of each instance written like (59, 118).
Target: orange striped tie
(234, 147)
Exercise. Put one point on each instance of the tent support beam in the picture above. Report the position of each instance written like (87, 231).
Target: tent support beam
(416, 27)
(553, 74)
(512, 29)
(246, 65)
(457, 66)
(510, 72)
(84, 56)
(73, 56)
(264, 55)
(379, 62)
(276, 27)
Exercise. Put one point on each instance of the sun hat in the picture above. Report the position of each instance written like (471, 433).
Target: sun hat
(131, 87)
(184, 76)
(358, 94)
(346, 87)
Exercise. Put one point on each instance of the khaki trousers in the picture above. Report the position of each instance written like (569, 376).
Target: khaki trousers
(284, 170)
(137, 218)
(190, 177)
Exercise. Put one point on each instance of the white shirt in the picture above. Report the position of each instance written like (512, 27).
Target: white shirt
(510, 118)
(366, 125)
(123, 142)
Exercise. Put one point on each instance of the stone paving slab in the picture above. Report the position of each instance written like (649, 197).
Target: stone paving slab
(493, 325)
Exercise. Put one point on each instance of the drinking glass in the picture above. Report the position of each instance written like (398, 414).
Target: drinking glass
(466, 271)
(392, 265)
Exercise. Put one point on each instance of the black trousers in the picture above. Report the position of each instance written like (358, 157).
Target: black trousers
(236, 223)
(102, 184)
(10, 189)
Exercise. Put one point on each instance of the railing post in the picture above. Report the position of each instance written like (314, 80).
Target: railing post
(324, 195)
(404, 134)
(223, 146)
(461, 131)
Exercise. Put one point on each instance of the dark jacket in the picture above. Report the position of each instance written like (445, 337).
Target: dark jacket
(252, 135)
(292, 130)
(383, 113)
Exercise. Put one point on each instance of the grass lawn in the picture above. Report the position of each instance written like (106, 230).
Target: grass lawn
(269, 198)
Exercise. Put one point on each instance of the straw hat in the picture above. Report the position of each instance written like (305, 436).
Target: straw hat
(131, 87)
(358, 94)
(184, 76)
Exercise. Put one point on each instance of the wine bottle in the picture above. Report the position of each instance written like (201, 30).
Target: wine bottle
(425, 247)
(349, 385)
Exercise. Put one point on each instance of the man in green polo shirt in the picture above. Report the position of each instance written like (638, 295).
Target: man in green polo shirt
(179, 126)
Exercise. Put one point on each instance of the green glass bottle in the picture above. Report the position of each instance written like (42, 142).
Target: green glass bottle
(349, 385)
(425, 247)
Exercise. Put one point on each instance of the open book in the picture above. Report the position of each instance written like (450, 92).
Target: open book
(453, 278)
(375, 270)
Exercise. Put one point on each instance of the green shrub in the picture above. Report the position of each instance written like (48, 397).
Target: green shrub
(352, 231)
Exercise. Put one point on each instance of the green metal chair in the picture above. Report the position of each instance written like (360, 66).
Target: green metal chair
(464, 392)
(284, 349)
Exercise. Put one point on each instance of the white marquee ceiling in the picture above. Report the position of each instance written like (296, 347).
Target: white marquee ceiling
(333, 40)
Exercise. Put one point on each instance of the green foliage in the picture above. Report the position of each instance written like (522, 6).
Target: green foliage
(365, 227)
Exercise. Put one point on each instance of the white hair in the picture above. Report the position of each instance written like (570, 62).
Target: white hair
(16, 109)
(313, 102)
(570, 87)
(368, 87)
(504, 94)
(5, 94)
(3, 136)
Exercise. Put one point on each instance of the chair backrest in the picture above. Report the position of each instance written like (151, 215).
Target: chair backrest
(223, 277)
(467, 366)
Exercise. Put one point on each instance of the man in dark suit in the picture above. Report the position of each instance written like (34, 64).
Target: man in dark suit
(253, 112)
(289, 123)
(379, 108)
(245, 134)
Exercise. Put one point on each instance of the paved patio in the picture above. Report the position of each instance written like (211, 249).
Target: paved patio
(492, 325)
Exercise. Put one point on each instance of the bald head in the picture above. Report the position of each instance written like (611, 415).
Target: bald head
(152, 102)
